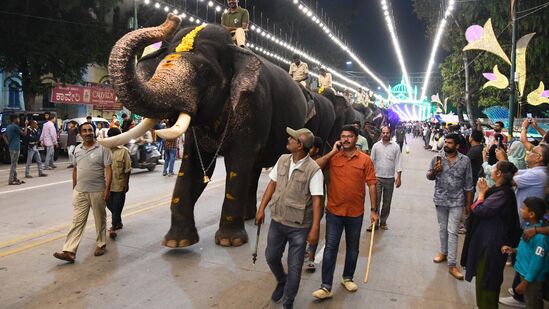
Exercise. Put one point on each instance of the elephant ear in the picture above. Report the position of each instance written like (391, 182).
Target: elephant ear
(246, 69)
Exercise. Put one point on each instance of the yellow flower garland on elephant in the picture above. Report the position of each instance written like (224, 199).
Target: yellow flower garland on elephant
(187, 43)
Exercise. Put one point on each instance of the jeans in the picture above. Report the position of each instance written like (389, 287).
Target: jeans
(32, 153)
(279, 235)
(71, 153)
(169, 159)
(49, 156)
(334, 229)
(115, 204)
(384, 187)
(448, 223)
(14, 157)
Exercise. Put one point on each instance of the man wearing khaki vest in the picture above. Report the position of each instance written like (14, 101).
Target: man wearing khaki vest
(294, 196)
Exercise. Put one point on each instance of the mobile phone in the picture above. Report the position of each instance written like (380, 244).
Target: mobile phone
(338, 147)
(500, 141)
(529, 116)
(438, 159)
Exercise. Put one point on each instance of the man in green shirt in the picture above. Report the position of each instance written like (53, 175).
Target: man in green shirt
(236, 20)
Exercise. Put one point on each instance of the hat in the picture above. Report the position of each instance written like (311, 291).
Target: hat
(309, 136)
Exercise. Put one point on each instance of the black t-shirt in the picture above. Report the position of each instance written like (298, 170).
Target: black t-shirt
(475, 156)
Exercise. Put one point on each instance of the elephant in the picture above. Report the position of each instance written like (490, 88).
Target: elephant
(227, 100)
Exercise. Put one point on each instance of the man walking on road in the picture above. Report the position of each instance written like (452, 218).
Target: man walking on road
(13, 139)
(349, 170)
(451, 171)
(72, 132)
(121, 171)
(91, 182)
(294, 196)
(386, 156)
(33, 138)
(48, 138)
(400, 135)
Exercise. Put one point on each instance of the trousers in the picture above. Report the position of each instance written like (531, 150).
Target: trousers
(81, 204)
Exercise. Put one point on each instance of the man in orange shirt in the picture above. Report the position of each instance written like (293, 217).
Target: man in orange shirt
(349, 169)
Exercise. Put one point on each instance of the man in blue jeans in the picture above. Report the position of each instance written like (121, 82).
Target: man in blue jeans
(294, 197)
(13, 139)
(351, 171)
(170, 153)
(454, 186)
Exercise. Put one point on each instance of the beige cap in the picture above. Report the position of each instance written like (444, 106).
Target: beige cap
(309, 136)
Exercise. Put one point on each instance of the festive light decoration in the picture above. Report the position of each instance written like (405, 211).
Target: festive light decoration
(487, 41)
(536, 97)
(496, 79)
(318, 21)
(436, 43)
(522, 44)
(389, 19)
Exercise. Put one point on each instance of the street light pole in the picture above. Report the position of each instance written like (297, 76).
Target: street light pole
(512, 99)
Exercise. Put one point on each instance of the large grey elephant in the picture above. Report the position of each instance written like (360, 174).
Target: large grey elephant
(228, 100)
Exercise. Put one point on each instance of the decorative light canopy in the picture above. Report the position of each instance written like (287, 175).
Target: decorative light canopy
(436, 43)
(389, 19)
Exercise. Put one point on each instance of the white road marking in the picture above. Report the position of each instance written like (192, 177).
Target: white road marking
(36, 187)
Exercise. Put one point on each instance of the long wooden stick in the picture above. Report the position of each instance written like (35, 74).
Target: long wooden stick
(370, 252)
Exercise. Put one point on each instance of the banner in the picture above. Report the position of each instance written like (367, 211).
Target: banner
(102, 97)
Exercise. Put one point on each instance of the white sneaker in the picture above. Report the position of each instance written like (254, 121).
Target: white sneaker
(323, 293)
(349, 285)
(510, 301)
(511, 291)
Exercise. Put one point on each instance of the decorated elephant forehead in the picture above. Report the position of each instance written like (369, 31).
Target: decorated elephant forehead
(187, 42)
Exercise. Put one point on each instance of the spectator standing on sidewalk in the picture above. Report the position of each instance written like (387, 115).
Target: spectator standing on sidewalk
(12, 138)
(91, 182)
(48, 138)
(33, 138)
(294, 197)
(453, 178)
(170, 154)
(400, 135)
(351, 171)
(386, 156)
(121, 170)
(72, 132)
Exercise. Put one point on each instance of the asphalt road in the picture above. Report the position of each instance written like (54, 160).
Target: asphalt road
(137, 272)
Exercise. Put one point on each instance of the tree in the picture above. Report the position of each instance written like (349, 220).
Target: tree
(478, 12)
(53, 38)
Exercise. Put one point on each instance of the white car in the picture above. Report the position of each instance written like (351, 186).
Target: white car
(63, 134)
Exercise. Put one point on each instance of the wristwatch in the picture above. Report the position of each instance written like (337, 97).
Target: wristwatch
(373, 209)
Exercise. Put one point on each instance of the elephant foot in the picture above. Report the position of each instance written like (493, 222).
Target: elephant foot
(180, 238)
(231, 237)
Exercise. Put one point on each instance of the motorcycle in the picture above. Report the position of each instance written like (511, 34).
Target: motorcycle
(144, 156)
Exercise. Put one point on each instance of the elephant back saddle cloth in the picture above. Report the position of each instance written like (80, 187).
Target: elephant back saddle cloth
(292, 203)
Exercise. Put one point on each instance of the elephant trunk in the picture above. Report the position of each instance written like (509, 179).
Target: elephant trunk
(136, 95)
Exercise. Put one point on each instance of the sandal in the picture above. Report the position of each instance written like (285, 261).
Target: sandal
(65, 256)
(311, 267)
(112, 233)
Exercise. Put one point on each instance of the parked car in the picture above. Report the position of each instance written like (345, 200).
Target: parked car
(5, 121)
(63, 134)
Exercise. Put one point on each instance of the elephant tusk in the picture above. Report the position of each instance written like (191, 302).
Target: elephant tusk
(178, 129)
(122, 139)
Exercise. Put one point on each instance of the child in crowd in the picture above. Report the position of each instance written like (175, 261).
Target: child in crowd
(532, 259)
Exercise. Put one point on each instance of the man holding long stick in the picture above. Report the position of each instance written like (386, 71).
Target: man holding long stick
(349, 170)
(294, 196)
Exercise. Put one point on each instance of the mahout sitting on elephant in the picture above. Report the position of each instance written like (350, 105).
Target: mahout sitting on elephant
(228, 100)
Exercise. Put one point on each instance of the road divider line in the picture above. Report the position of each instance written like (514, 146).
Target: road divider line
(92, 226)
(61, 227)
(35, 187)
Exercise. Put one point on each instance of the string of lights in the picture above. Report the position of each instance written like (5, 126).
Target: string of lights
(326, 29)
(436, 43)
(351, 84)
(389, 19)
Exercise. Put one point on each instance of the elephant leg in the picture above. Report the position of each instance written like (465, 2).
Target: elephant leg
(188, 188)
(240, 166)
(251, 205)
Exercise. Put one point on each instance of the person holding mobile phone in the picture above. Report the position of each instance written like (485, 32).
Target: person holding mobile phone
(454, 186)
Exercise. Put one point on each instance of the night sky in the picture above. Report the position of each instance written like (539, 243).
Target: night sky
(371, 40)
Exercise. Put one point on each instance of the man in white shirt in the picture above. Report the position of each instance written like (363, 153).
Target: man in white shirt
(324, 80)
(299, 71)
(387, 161)
(48, 138)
